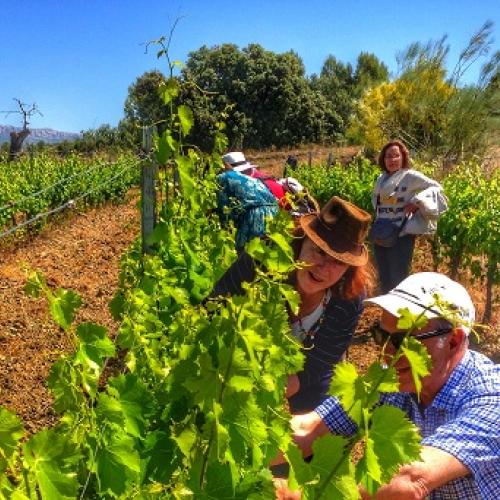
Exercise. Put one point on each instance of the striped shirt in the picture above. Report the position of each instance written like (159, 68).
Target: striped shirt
(463, 420)
(321, 352)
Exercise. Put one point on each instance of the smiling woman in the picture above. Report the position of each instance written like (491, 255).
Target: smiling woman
(332, 285)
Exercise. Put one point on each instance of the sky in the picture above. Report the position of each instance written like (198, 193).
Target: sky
(76, 58)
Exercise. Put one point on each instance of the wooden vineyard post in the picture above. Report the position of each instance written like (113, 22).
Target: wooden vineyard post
(309, 158)
(330, 159)
(148, 193)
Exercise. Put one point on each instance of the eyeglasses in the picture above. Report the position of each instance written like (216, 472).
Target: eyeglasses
(381, 336)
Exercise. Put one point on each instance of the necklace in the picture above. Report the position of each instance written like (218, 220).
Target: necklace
(317, 316)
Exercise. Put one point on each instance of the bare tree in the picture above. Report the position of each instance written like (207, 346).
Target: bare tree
(17, 138)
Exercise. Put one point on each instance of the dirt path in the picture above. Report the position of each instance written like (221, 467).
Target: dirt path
(81, 252)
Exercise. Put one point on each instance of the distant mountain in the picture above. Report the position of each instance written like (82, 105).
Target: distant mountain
(46, 135)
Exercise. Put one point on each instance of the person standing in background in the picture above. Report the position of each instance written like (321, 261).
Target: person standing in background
(409, 200)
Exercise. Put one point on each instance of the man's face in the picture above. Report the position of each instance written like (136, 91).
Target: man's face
(440, 349)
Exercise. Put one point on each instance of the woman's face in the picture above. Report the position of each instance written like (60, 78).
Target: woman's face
(393, 159)
(322, 272)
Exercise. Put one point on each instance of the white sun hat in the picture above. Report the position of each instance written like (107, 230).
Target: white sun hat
(417, 293)
(291, 184)
(237, 161)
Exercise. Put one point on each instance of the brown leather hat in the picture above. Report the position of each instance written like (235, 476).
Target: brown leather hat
(339, 230)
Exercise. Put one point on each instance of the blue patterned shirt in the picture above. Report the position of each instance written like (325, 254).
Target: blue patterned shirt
(247, 202)
(463, 420)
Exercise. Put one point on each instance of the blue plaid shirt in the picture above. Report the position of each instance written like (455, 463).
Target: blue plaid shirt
(463, 420)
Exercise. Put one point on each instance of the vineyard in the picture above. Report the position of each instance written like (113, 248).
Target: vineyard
(193, 406)
(37, 187)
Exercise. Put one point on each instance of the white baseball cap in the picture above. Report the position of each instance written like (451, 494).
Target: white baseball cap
(417, 293)
(237, 160)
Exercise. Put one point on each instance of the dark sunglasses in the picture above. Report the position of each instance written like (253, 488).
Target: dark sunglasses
(381, 336)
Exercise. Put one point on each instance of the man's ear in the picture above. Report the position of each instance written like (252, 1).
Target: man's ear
(458, 337)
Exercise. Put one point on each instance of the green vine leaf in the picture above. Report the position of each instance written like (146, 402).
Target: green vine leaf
(348, 387)
(419, 359)
(63, 307)
(51, 458)
(127, 404)
(11, 431)
(391, 441)
(64, 381)
(117, 465)
(186, 118)
(169, 90)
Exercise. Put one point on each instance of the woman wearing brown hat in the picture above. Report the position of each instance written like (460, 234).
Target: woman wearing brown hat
(331, 288)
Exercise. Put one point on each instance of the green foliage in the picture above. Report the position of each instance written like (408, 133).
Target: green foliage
(434, 114)
(11, 431)
(198, 408)
(353, 182)
(63, 304)
(50, 458)
(35, 185)
(264, 97)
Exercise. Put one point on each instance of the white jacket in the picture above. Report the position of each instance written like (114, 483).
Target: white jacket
(393, 192)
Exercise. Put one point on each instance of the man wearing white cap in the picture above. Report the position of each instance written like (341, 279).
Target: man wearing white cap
(459, 410)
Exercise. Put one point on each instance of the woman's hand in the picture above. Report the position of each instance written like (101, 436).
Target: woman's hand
(293, 386)
(411, 208)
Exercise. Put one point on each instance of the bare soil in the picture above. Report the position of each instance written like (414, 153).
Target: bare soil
(82, 251)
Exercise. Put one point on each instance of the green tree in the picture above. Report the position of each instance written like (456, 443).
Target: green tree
(336, 84)
(429, 109)
(264, 97)
(143, 104)
(370, 71)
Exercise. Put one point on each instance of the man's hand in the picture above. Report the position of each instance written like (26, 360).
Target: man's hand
(282, 491)
(306, 428)
(417, 480)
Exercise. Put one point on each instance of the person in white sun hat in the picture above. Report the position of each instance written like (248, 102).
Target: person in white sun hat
(459, 410)
(237, 162)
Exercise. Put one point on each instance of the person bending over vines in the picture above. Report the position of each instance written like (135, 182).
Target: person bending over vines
(331, 286)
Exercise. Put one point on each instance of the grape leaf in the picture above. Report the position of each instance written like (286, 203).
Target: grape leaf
(185, 166)
(408, 321)
(348, 387)
(391, 440)
(318, 478)
(419, 359)
(127, 404)
(186, 118)
(52, 459)
(118, 464)
(63, 307)
(64, 381)
(169, 90)
(11, 431)
(160, 455)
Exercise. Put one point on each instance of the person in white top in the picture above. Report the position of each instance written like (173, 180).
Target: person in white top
(412, 202)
